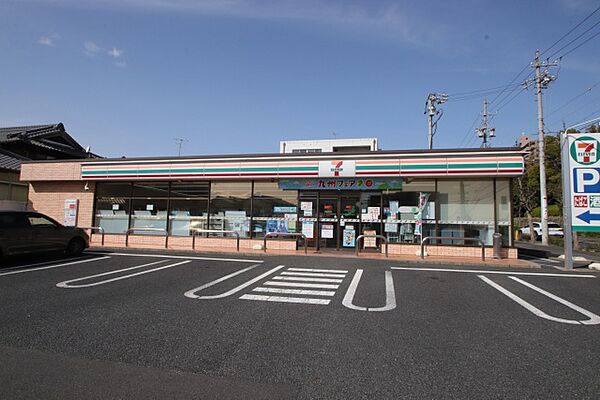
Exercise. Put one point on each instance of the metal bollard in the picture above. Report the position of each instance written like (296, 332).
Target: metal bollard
(497, 241)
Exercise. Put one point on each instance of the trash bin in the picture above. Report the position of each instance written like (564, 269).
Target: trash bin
(497, 240)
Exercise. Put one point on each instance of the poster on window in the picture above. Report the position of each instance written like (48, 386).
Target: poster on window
(370, 241)
(349, 237)
(308, 229)
(327, 231)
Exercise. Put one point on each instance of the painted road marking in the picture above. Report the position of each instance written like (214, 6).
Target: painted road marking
(307, 285)
(294, 291)
(390, 295)
(315, 274)
(473, 271)
(192, 293)
(335, 271)
(593, 318)
(302, 282)
(22, 271)
(67, 285)
(279, 299)
(306, 279)
(180, 257)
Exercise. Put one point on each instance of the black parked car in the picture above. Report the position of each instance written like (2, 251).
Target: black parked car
(23, 232)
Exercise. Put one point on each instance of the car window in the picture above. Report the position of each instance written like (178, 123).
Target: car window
(37, 221)
(553, 226)
(12, 221)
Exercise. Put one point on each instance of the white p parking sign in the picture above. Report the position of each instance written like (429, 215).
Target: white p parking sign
(584, 173)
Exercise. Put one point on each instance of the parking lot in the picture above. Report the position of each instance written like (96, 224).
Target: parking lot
(142, 325)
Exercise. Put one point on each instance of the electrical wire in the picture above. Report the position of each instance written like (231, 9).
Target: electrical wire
(586, 91)
(572, 29)
(581, 44)
(595, 25)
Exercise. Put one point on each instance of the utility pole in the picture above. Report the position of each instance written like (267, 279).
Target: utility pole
(484, 131)
(433, 99)
(179, 144)
(542, 80)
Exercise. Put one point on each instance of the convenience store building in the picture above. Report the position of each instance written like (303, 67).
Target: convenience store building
(330, 197)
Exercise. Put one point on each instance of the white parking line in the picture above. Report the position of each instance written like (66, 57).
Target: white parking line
(593, 318)
(307, 285)
(298, 300)
(180, 257)
(192, 293)
(473, 271)
(390, 295)
(294, 291)
(338, 271)
(315, 274)
(22, 271)
(66, 285)
(306, 279)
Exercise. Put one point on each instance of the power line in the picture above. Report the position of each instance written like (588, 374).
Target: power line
(574, 40)
(460, 94)
(572, 29)
(586, 91)
(581, 44)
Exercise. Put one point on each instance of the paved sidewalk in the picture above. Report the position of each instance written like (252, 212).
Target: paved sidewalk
(430, 260)
(551, 251)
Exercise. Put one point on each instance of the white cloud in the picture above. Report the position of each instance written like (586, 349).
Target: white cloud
(48, 40)
(391, 21)
(115, 53)
(91, 48)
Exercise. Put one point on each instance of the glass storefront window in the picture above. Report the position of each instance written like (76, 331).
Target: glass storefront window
(369, 205)
(275, 210)
(149, 213)
(187, 215)
(230, 206)
(188, 207)
(151, 189)
(466, 209)
(112, 213)
(503, 210)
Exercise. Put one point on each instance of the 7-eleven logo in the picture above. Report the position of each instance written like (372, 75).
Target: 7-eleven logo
(337, 167)
(587, 152)
(584, 149)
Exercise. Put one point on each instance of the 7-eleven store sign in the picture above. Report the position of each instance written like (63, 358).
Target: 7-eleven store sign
(586, 151)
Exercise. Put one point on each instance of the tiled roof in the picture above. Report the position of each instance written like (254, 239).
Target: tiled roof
(45, 141)
(10, 161)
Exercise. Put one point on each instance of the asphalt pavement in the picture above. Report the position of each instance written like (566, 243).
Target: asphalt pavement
(155, 326)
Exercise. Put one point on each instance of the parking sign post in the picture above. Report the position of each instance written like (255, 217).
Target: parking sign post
(566, 195)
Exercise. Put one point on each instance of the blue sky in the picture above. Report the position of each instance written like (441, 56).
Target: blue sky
(127, 77)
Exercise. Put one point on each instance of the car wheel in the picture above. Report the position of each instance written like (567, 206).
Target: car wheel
(75, 247)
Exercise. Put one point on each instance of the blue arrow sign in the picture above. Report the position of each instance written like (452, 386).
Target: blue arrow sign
(588, 216)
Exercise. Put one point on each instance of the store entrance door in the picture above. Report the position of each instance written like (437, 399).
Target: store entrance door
(333, 220)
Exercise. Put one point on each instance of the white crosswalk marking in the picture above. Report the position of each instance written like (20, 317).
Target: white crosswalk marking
(306, 279)
(294, 291)
(300, 300)
(337, 271)
(309, 285)
(314, 274)
(299, 283)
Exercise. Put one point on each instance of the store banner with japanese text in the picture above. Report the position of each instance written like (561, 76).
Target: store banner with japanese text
(341, 184)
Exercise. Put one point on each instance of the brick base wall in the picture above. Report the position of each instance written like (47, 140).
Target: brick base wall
(448, 251)
(49, 198)
(185, 242)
